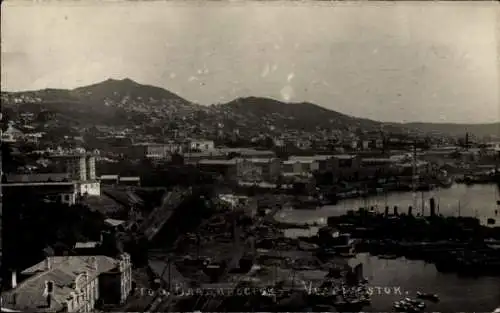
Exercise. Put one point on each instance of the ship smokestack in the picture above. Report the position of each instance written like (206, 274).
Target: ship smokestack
(432, 204)
(387, 211)
(396, 210)
(410, 210)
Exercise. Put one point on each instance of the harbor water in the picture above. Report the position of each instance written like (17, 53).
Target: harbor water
(395, 279)
(475, 201)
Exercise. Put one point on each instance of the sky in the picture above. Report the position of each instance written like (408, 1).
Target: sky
(388, 61)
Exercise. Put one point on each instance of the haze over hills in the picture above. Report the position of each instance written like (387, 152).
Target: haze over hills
(121, 101)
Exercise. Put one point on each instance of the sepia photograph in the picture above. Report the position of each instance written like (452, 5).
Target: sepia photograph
(250, 156)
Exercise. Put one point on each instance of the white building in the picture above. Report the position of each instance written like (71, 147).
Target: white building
(201, 145)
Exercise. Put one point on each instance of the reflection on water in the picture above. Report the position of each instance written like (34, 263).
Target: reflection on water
(477, 201)
(456, 293)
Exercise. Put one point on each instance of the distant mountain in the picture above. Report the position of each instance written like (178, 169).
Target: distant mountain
(479, 130)
(261, 113)
(119, 90)
(119, 102)
(111, 101)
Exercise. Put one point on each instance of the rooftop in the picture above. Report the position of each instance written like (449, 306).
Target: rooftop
(64, 270)
(113, 222)
(86, 245)
(32, 178)
(109, 177)
(217, 162)
(130, 178)
(344, 156)
(261, 160)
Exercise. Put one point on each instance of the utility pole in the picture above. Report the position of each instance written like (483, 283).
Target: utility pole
(414, 174)
(423, 204)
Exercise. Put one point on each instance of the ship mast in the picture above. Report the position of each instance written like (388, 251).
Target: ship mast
(414, 174)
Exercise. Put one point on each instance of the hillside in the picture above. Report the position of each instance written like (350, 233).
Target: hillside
(128, 103)
(263, 113)
(112, 102)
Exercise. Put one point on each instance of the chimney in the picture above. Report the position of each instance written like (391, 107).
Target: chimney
(14, 280)
(386, 213)
(410, 210)
(395, 210)
(48, 263)
(95, 264)
(49, 300)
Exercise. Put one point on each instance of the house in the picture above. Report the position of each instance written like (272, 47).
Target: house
(12, 134)
(70, 284)
(201, 145)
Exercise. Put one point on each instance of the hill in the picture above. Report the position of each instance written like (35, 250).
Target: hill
(126, 102)
(109, 102)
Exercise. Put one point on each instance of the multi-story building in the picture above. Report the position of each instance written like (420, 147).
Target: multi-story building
(81, 169)
(345, 165)
(319, 163)
(300, 166)
(74, 175)
(153, 150)
(232, 170)
(372, 166)
(70, 284)
(270, 168)
(195, 157)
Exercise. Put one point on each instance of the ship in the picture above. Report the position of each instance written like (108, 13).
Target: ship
(428, 296)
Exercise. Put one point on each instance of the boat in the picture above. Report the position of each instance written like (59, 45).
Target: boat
(428, 296)
(409, 305)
